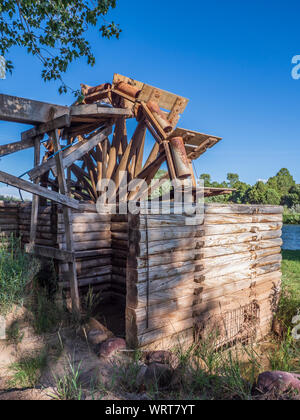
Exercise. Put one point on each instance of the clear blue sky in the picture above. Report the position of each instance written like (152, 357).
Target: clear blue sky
(232, 59)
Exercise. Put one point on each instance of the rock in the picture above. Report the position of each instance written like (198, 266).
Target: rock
(278, 381)
(158, 375)
(93, 325)
(140, 378)
(95, 332)
(96, 337)
(163, 357)
(111, 347)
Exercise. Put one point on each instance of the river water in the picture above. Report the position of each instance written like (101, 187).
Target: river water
(291, 237)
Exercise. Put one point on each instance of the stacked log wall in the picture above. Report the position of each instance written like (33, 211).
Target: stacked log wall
(238, 264)
(186, 281)
(119, 235)
(92, 247)
(160, 281)
(9, 220)
(46, 232)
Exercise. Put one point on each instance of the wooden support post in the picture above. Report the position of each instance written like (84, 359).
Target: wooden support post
(35, 198)
(170, 163)
(68, 225)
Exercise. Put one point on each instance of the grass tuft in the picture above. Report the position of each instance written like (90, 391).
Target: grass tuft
(68, 387)
(17, 271)
(27, 371)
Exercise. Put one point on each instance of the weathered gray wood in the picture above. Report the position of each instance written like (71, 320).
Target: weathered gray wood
(60, 122)
(27, 111)
(48, 252)
(38, 190)
(10, 148)
(68, 225)
(86, 147)
(35, 198)
(99, 111)
(242, 209)
(71, 154)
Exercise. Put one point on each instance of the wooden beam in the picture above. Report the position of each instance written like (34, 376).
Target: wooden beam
(68, 224)
(10, 148)
(140, 155)
(85, 148)
(35, 199)
(153, 155)
(27, 111)
(48, 252)
(60, 122)
(128, 154)
(71, 154)
(100, 111)
(38, 190)
(147, 175)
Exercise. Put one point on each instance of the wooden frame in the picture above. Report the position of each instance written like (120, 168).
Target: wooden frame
(95, 157)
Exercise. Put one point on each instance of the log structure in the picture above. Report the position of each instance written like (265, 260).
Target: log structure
(186, 280)
(87, 145)
(179, 276)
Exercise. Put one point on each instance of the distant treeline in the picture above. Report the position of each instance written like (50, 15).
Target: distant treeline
(280, 189)
(8, 198)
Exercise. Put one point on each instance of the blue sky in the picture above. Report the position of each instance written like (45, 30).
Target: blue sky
(231, 59)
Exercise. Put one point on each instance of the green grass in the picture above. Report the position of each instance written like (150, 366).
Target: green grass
(17, 271)
(290, 299)
(68, 387)
(14, 335)
(291, 218)
(285, 354)
(27, 371)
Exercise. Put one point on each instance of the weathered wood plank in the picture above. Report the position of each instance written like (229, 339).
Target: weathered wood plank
(242, 209)
(10, 148)
(68, 224)
(48, 252)
(38, 190)
(99, 111)
(71, 154)
(60, 122)
(28, 111)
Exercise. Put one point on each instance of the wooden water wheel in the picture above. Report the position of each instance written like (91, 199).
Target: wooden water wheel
(119, 157)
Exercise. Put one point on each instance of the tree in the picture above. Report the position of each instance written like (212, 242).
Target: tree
(261, 193)
(292, 198)
(282, 182)
(53, 31)
(240, 196)
(207, 179)
(233, 179)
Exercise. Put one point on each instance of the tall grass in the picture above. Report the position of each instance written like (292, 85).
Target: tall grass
(17, 271)
(27, 371)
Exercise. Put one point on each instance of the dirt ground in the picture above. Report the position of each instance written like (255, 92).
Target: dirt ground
(66, 347)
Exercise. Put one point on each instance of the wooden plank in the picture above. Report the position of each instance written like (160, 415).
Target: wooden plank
(100, 111)
(38, 190)
(35, 199)
(10, 148)
(60, 122)
(86, 147)
(71, 154)
(242, 209)
(68, 225)
(166, 99)
(48, 252)
(27, 111)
